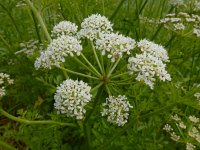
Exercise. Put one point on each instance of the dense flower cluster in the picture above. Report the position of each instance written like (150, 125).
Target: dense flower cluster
(57, 50)
(115, 45)
(184, 129)
(71, 97)
(149, 63)
(95, 24)
(182, 21)
(64, 28)
(4, 81)
(117, 110)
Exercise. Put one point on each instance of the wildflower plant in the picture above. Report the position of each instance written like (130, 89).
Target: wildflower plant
(185, 130)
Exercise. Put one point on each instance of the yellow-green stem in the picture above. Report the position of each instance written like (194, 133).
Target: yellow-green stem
(90, 65)
(96, 57)
(113, 68)
(77, 73)
(38, 16)
(21, 120)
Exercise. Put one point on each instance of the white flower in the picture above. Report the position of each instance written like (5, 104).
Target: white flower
(179, 26)
(2, 91)
(190, 146)
(196, 32)
(194, 119)
(176, 2)
(167, 128)
(95, 24)
(57, 50)
(174, 136)
(4, 81)
(64, 28)
(197, 95)
(197, 5)
(115, 45)
(147, 67)
(175, 117)
(194, 133)
(71, 97)
(116, 108)
(155, 50)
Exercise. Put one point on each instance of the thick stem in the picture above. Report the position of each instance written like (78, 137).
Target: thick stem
(38, 16)
(77, 73)
(21, 120)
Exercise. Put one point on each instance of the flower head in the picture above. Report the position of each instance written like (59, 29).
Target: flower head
(153, 49)
(71, 97)
(147, 67)
(95, 24)
(57, 50)
(115, 45)
(64, 28)
(149, 63)
(4, 81)
(116, 108)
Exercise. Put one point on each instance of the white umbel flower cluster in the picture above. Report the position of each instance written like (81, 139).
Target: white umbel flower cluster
(117, 110)
(184, 128)
(71, 97)
(64, 28)
(92, 26)
(115, 45)
(57, 50)
(149, 63)
(182, 22)
(4, 81)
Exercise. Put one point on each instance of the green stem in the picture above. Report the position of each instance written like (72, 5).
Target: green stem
(92, 71)
(122, 81)
(90, 64)
(96, 57)
(38, 16)
(117, 10)
(96, 87)
(21, 120)
(7, 146)
(77, 73)
(113, 68)
(12, 19)
(108, 90)
(36, 27)
(102, 64)
(119, 75)
(5, 42)
(64, 71)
